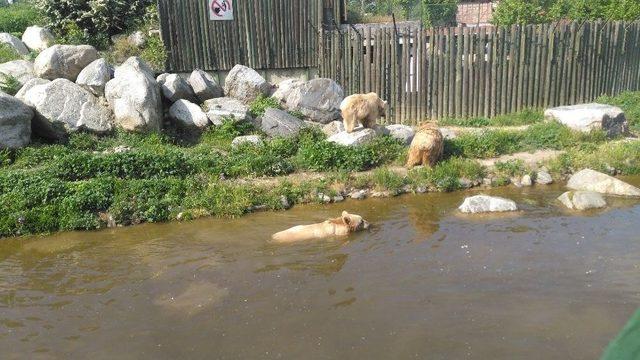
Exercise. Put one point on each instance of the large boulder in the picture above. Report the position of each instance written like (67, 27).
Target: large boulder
(63, 107)
(134, 96)
(222, 108)
(29, 85)
(403, 133)
(318, 99)
(95, 76)
(37, 38)
(175, 88)
(188, 115)
(21, 70)
(591, 180)
(246, 139)
(333, 128)
(245, 84)
(285, 89)
(14, 43)
(588, 117)
(582, 200)
(15, 122)
(359, 137)
(278, 123)
(483, 204)
(204, 86)
(64, 61)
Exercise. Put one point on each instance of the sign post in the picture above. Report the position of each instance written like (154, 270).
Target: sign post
(220, 10)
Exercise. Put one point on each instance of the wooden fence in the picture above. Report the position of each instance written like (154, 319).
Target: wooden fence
(484, 72)
(265, 34)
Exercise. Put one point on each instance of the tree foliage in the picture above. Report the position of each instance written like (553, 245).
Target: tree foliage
(430, 12)
(510, 12)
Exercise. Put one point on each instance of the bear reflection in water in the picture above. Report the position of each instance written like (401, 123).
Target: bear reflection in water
(341, 226)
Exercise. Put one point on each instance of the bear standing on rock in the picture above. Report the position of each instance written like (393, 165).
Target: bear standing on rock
(362, 108)
(427, 146)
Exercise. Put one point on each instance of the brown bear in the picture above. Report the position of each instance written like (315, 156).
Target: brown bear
(362, 108)
(341, 226)
(427, 146)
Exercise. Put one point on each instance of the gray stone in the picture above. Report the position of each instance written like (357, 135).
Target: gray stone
(188, 115)
(400, 132)
(278, 123)
(588, 117)
(204, 86)
(324, 198)
(590, 180)
(15, 122)
(14, 43)
(134, 96)
(21, 70)
(318, 100)
(245, 84)
(285, 89)
(247, 139)
(30, 84)
(333, 128)
(64, 61)
(138, 39)
(582, 200)
(222, 108)
(483, 203)
(95, 76)
(337, 198)
(358, 194)
(175, 88)
(356, 138)
(63, 107)
(285, 203)
(526, 180)
(37, 38)
(543, 178)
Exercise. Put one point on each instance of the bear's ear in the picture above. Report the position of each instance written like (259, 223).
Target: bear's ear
(345, 218)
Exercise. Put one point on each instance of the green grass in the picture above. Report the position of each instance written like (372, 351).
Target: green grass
(628, 101)
(446, 175)
(8, 54)
(9, 84)
(17, 17)
(258, 107)
(525, 117)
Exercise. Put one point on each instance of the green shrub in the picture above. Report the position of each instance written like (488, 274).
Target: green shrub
(446, 175)
(138, 201)
(17, 17)
(154, 53)
(485, 145)
(9, 84)
(80, 208)
(270, 159)
(261, 104)
(386, 179)
(7, 54)
(629, 101)
(511, 168)
(38, 155)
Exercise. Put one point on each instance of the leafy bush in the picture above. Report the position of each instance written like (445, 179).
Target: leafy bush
(9, 84)
(446, 175)
(485, 145)
(138, 201)
(261, 104)
(510, 12)
(98, 20)
(17, 17)
(386, 179)
(80, 207)
(7, 54)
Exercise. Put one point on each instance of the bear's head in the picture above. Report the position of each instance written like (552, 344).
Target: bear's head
(382, 108)
(354, 222)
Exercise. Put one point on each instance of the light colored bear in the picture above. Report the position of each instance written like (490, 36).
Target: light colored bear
(427, 146)
(362, 108)
(341, 226)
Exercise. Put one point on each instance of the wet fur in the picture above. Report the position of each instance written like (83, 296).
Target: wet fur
(362, 108)
(427, 146)
(341, 226)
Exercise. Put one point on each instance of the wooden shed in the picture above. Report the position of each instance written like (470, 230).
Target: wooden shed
(262, 34)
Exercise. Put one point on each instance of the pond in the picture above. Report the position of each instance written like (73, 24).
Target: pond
(423, 282)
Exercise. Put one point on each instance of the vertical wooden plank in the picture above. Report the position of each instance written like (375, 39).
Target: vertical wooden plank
(487, 72)
(521, 67)
(457, 53)
(504, 68)
(465, 72)
(494, 72)
(441, 74)
(451, 93)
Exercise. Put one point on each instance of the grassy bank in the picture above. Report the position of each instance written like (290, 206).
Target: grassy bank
(89, 182)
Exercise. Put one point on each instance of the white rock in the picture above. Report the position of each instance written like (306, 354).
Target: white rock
(318, 100)
(204, 86)
(285, 89)
(543, 178)
(278, 123)
(400, 132)
(247, 139)
(134, 96)
(63, 107)
(484, 203)
(582, 200)
(356, 138)
(21, 70)
(358, 194)
(188, 114)
(588, 117)
(333, 128)
(590, 180)
(222, 108)
(245, 84)
(37, 38)
(64, 61)
(30, 84)
(14, 43)
(175, 88)
(526, 180)
(95, 76)
(15, 122)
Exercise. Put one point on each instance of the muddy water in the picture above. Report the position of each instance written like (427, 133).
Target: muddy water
(424, 282)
